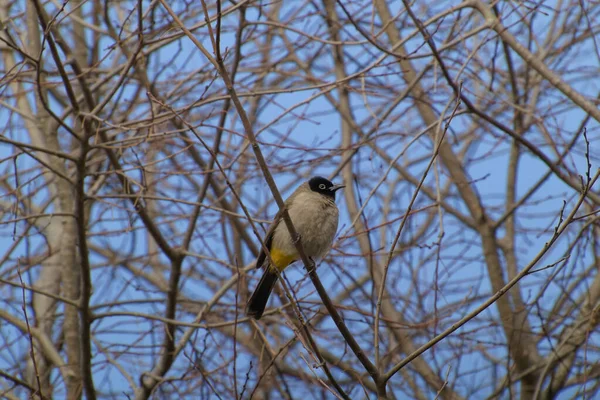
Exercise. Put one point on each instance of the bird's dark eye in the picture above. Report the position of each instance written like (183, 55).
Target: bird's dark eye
(322, 186)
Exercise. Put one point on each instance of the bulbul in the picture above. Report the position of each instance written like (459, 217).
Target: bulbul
(315, 216)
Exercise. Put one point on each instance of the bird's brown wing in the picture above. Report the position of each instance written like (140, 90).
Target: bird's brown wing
(262, 256)
(269, 236)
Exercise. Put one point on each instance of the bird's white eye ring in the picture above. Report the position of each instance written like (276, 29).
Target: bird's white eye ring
(322, 186)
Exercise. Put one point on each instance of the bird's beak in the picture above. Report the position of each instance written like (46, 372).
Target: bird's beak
(335, 188)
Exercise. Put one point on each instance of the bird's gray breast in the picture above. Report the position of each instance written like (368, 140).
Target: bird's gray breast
(315, 218)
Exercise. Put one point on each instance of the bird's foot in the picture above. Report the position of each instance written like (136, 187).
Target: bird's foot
(312, 265)
(297, 238)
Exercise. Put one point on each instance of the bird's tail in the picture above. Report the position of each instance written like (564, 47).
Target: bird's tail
(258, 300)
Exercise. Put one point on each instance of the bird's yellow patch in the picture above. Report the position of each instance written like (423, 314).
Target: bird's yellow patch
(281, 260)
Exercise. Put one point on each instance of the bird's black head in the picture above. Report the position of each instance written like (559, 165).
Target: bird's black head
(323, 186)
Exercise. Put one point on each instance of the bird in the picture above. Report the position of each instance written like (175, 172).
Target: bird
(315, 217)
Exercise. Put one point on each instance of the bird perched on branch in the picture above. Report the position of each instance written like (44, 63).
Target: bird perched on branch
(315, 216)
